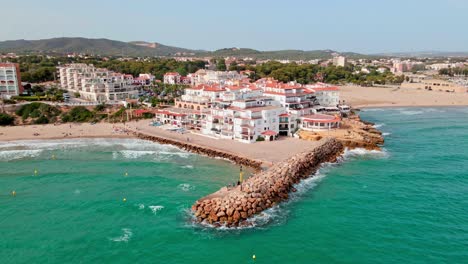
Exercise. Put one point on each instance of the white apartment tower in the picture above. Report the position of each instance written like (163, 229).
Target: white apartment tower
(10, 80)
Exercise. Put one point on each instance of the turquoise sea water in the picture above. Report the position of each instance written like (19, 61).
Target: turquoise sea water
(407, 204)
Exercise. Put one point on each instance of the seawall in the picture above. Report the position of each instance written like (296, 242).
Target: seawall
(194, 148)
(232, 207)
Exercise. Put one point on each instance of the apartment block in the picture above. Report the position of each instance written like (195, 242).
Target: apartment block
(10, 80)
(96, 84)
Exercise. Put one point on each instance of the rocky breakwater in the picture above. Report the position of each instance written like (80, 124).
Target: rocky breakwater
(194, 148)
(233, 207)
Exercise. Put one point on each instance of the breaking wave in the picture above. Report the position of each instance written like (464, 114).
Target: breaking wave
(364, 153)
(379, 125)
(156, 208)
(186, 187)
(411, 112)
(125, 237)
(132, 154)
(8, 155)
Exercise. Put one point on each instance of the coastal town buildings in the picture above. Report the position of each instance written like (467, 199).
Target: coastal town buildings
(96, 84)
(10, 80)
(227, 105)
(246, 120)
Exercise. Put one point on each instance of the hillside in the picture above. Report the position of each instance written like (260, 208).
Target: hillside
(103, 47)
(106, 47)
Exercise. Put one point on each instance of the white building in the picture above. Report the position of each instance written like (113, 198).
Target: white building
(96, 84)
(215, 77)
(339, 61)
(172, 78)
(10, 80)
(144, 79)
(294, 97)
(245, 120)
(325, 94)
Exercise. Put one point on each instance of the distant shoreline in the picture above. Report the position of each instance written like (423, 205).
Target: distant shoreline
(377, 97)
(406, 106)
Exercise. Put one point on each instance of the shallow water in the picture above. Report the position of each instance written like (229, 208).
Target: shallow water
(407, 203)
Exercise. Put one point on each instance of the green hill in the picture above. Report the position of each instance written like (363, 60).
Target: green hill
(106, 47)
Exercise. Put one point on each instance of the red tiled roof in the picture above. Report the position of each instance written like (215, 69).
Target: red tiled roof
(331, 88)
(172, 73)
(321, 118)
(141, 111)
(269, 133)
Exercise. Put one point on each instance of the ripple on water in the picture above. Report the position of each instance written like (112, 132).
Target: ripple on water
(125, 237)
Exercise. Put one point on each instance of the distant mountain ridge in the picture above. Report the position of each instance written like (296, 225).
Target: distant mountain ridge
(107, 47)
(425, 54)
(104, 47)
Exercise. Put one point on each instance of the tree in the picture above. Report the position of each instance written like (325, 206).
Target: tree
(6, 119)
(221, 65)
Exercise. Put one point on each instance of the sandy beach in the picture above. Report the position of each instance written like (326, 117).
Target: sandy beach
(362, 97)
(50, 131)
(267, 152)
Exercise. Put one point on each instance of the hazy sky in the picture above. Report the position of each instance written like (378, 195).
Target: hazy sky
(345, 25)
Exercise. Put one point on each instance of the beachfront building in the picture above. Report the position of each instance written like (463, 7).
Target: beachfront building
(10, 80)
(199, 97)
(173, 117)
(320, 122)
(288, 124)
(245, 120)
(96, 84)
(298, 100)
(325, 94)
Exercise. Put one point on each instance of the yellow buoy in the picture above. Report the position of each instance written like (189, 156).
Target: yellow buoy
(13, 193)
(254, 257)
(126, 173)
(53, 157)
(35, 171)
(124, 199)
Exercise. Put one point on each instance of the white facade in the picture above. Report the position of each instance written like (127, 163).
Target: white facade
(244, 120)
(96, 84)
(172, 78)
(339, 61)
(215, 77)
(296, 99)
(10, 81)
(327, 96)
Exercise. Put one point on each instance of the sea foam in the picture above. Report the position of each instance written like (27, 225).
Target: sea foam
(125, 237)
(156, 208)
(8, 155)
